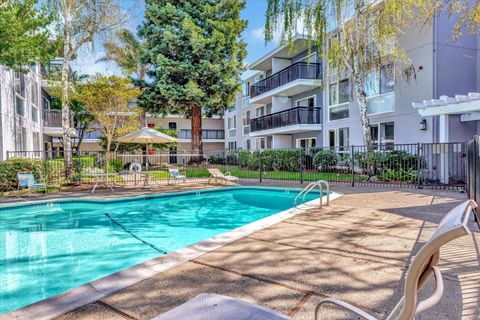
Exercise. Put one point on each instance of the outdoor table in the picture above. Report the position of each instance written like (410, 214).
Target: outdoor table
(102, 178)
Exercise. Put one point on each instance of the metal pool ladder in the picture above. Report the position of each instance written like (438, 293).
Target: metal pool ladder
(310, 187)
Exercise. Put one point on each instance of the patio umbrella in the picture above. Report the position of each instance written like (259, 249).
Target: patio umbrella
(147, 136)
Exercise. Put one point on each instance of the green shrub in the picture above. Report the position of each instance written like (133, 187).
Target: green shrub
(11, 167)
(87, 161)
(325, 159)
(216, 159)
(115, 165)
(271, 159)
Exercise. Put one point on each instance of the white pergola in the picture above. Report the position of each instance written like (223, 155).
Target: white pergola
(467, 106)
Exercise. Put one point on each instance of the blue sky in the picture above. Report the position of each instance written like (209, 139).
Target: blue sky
(254, 13)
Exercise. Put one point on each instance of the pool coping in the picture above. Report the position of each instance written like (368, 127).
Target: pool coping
(92, 291)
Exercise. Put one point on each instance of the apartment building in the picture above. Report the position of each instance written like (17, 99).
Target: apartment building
(213, 134)
(296, 100)
(26, 121)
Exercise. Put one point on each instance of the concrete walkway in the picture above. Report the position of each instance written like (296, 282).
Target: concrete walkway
(356, 250)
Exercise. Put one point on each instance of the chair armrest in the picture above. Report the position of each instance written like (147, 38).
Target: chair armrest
(343, 305)
(435, 297)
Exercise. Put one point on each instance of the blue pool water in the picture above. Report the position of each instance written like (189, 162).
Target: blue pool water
(49, 248)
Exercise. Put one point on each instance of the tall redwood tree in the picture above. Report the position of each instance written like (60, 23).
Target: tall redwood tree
(196, 57)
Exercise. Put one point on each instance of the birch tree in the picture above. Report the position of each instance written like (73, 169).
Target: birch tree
(79, 22)
(353, 36)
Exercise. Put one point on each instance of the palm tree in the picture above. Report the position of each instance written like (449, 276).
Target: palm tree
(126, 51)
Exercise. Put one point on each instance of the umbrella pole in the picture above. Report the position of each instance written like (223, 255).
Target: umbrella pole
(146, 157)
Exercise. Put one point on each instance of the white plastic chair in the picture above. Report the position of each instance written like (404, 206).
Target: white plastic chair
(422, 267)
(177, 175)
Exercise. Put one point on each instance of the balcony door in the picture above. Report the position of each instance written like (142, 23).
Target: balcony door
(307, 115)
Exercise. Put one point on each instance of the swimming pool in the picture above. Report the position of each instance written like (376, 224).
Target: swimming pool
(48, 248)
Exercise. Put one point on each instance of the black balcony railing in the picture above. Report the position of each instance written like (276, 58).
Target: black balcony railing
(206, 134)
(52, 70)
(295, 116)
(52, 118)
(299, 70)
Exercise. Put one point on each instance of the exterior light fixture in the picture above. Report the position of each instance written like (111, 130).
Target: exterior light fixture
(423, 125)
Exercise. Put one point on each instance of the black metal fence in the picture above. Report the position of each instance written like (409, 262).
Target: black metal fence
(438, 165)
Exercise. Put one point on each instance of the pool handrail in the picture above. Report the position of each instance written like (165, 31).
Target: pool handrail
(310, 187)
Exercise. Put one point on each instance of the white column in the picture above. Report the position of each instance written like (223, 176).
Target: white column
(444, 138)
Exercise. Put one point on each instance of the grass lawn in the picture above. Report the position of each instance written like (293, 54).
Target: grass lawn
(200, 172)
(286, 175)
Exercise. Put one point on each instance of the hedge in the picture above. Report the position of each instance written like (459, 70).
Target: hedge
(11, 167)
(271, 159)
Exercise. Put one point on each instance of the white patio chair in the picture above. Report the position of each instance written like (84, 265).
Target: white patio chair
(216, 174)
(422, 267)
(177, 175)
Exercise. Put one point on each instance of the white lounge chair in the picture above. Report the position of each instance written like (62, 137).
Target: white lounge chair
(177, 175)
(422, 267)
(27, 180)
(216, 175)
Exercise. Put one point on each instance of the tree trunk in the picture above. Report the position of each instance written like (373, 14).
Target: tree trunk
(361, 96)
(67, 142)
(197, 143)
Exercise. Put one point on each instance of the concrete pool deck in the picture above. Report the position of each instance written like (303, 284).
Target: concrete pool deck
(357, 249)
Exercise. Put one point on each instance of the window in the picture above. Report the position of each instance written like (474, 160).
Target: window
(232, 125)
(307, 102)
(246, 89)
(338, 112)
(34, 113)
(172, 125)
(306, 143)
(246, 118)
(20, 84)
(20, 93)
(248, 144)
(380, 81)
(343, 91)
(383, 134)
(246, 122)
(36, 141)
(232, 145)
(261, 143)
(338, 138)
(45, 103)
(20, 139)
(260, 112)
(232, 122)
(338, 98)
(20, 105)
(34, 93)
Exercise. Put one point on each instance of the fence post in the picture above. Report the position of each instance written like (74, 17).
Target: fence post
(419, 165)
(300, 162)
(353, 166)
(80, 167)
(260, 164)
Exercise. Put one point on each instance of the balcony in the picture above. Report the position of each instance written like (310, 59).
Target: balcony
(208, 135)
(52, 123)
(52, 73)
(293, 120)
(292, 80)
